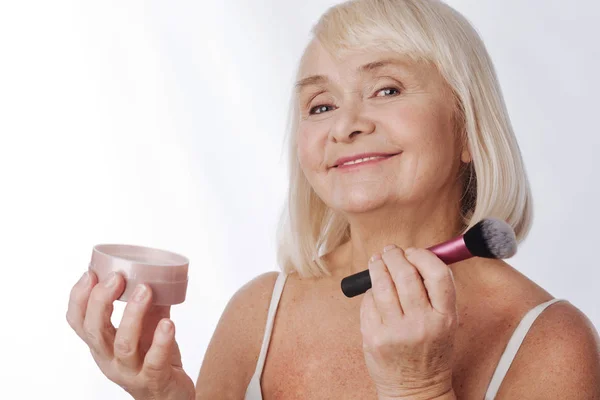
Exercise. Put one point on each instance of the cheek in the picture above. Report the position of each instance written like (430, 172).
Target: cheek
(426, 129)
(310, 148)
(304, 153)
(425, 133)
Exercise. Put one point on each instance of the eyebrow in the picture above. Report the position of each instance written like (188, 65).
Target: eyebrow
(367, 68)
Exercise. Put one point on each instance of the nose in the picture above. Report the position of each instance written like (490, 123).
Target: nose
(350, 123)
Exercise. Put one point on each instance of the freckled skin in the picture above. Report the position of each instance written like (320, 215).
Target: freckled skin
(316, 347)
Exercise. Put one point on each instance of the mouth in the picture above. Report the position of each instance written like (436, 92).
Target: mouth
(360, 160)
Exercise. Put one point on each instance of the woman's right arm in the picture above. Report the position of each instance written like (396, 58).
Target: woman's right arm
(142, 355)
(144, 359)
(231, 356)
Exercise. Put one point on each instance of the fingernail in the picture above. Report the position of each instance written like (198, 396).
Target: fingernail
(389, 247)
(165, 326)
(409, 251)
(140, 292)
(375, 257)
(84, 278)
(112, 280)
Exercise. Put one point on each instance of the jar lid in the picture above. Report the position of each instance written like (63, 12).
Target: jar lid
(166, 273)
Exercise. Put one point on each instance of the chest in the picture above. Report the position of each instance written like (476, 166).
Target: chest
(327, 363)
(320, 356)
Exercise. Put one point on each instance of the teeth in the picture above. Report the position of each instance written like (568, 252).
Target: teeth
(361, 160)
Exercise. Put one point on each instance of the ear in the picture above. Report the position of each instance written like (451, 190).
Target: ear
(465, 156)
(463, 143)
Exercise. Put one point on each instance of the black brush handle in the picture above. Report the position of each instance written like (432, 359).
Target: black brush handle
(449, 252)
(356, 284)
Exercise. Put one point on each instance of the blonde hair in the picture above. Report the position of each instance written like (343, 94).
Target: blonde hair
(430, 31)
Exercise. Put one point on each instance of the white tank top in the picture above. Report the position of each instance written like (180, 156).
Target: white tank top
(254, 392)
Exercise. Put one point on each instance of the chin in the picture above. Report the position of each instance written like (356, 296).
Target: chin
(359, 201)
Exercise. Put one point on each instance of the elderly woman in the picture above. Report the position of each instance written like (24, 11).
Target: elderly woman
(399, 140)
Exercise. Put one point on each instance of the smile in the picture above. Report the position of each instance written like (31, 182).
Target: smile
(353, 164)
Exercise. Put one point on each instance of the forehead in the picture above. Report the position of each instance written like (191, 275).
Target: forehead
(317, 61)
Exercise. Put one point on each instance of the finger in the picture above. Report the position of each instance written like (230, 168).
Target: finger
(78, 299)
(176, 356)
(158, 358)
(151, 319)
(127, 337)
(98, 329)
(408, 281)
(437, 278)
(369, 315)
(384, 291)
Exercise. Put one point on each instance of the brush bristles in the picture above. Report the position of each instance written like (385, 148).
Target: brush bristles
(499, 237)
(491, 238)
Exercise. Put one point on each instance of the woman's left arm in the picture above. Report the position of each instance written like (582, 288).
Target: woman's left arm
(559, 359)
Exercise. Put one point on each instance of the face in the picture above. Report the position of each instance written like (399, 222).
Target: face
(375, 130)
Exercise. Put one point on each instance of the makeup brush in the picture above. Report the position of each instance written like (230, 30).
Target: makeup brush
(489, 238)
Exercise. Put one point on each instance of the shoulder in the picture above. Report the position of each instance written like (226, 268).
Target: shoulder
(509, 294)
(232, 353)
(255, 291)
(560, 354)
(246, 311)
(247, 308)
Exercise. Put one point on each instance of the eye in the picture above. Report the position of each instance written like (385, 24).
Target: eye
(320, 109)
(323, 108)
(389, 91)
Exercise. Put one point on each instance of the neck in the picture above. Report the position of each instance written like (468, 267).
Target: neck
(422, 225)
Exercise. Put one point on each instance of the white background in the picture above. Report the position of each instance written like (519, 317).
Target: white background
(161, 124)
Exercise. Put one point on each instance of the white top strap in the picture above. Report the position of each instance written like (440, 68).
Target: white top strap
(277, 290)
(513, 347)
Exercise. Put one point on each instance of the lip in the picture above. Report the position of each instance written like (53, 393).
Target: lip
(338, 163)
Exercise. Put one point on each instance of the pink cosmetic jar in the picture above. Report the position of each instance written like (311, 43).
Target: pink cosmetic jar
(164, 272)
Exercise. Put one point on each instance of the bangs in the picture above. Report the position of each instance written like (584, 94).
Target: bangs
(355, 26)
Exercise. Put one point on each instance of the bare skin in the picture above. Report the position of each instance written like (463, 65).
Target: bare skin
(332, 352)
(316, 346)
